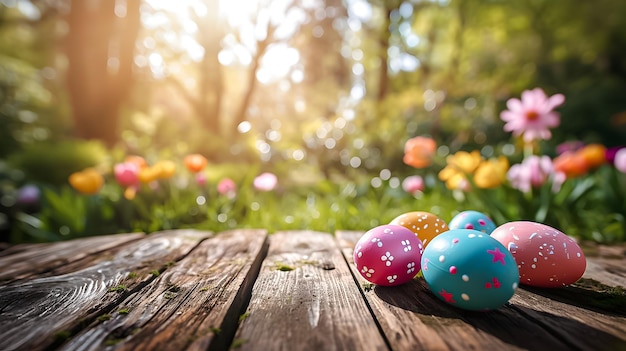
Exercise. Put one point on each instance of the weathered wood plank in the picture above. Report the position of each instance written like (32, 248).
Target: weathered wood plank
(413, 318)
(194, 305)
(38, 313)
(608, 271)
(306, 299)
(22, 261)
(576, 320)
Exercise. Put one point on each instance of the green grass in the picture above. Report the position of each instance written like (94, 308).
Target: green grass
(327, 206)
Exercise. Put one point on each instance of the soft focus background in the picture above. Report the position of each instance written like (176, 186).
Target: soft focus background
(297, 112)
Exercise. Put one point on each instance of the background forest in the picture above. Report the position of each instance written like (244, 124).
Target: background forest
(321, 93)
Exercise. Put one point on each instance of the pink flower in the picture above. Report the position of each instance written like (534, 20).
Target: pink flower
(532, 172)
(533, 116)
(612, 152)
(28, 195)
(265, 182)
(620, 160)
(227, 187)
(201, 178)
(413, 184)
(127, 173)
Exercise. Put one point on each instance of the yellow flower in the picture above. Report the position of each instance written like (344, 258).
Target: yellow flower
(161, 170)
(458, 166)
(491, 173)
(166, 169)
(149, 174)
(88, 181)
(130, 192)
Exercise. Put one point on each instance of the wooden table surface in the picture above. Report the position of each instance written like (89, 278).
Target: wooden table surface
(245, 289)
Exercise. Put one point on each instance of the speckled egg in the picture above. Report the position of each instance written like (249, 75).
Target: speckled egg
(388, 255)
(424, 224)
(472, 220)
(470, 270)
(545, 256)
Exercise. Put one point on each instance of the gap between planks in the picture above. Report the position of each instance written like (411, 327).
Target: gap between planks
(306, 298)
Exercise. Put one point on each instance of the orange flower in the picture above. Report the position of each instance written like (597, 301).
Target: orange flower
(88, 181)
(418, 151)
(195, 162)
(572, 164)
(138, 160)
(579, 162)
(593, 154)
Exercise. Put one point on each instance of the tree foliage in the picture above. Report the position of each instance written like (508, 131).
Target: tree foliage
(369, 74)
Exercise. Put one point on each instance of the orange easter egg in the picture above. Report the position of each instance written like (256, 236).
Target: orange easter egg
(424, 224)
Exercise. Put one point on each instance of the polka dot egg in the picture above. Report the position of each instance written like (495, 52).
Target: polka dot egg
(425, 225)
(470, 270)
(546, 257)
(388, 255)
(473, 220)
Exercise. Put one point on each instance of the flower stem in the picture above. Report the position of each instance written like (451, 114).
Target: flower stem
(528, 149)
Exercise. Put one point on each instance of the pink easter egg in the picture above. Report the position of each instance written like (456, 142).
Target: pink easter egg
(388, 255)
(545, 256)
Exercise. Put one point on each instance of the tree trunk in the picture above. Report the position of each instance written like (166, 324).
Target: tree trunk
(209, 107)
(457, 48)
(383, 77)
(100, 49)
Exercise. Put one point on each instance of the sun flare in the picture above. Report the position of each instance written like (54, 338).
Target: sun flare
(246, 23)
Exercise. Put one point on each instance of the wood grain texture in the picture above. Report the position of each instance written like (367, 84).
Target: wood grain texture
(37, 313)
(306, 299)
(589, 314)
(576, 322)
(186, 290)
(608, 271)
(413, 318)
(194, 305)
(21, 261)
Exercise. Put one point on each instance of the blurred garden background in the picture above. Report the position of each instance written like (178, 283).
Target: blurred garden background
(144, 115)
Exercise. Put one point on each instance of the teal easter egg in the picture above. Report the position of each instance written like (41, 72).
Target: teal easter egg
(470, 270)
(472, 220)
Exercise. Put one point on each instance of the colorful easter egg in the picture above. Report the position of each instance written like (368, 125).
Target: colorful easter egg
(470, 270)
(545, 256)
(472, 220)
(388, 255)
(424, 224)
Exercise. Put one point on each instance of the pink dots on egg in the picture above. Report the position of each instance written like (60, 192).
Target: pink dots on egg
(447, 296)
(495, 283)
(473, 220)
